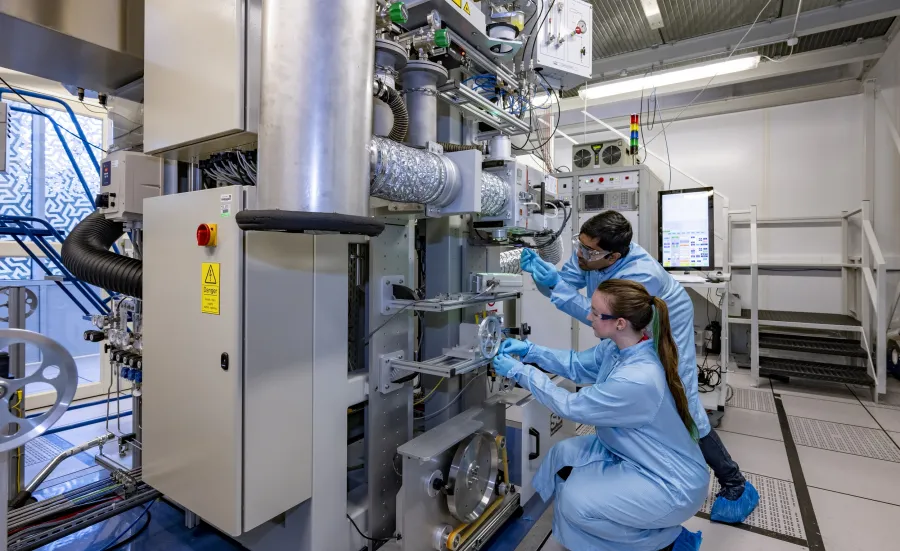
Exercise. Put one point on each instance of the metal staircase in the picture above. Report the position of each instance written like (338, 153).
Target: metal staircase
(847, 347)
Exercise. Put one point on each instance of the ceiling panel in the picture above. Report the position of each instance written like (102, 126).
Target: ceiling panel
(689, 18)
(620, 27)
(790, 6)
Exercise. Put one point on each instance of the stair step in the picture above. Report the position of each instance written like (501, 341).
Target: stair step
(801, 318)
(813, 345)
(781, 367)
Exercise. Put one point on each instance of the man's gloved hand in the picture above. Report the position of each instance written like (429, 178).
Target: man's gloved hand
(504, 365)
(527, 259)
(544, 273)
(515, 346)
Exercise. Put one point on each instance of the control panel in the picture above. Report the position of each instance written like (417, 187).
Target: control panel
(602, 182)
(565, 42)
(126, 179)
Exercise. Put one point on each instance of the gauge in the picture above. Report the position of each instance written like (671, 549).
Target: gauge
(581, 27)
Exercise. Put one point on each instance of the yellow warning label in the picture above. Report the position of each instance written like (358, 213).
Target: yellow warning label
(458, 2)
(209, 285)
(466, 9)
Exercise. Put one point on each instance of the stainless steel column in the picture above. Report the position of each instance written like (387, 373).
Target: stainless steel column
(16, 309)
(420, 82)
(316, 106)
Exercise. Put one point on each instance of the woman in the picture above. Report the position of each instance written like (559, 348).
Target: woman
(632, 485)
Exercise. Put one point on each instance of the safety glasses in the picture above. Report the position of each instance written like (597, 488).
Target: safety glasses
(586, 252)
(605, 317)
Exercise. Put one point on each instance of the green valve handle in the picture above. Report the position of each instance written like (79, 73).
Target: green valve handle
(398, 13)
(441, 38)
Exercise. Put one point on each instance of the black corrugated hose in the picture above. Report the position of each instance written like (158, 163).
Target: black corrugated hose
(86, 254)
(454, 147)
(394, 100)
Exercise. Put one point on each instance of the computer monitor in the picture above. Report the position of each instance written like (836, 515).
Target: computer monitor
(686, 229)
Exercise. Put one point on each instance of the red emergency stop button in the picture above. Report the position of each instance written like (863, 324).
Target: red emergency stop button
(601, 180)
(206, 235)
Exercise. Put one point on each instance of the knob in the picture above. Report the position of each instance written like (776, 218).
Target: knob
(441, 38)
(398, 13)
(94, 336)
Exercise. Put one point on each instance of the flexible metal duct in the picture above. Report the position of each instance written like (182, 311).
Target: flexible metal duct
(409, 175)
(494, 194)
(510, 262)
(549, 248)
(86, 254)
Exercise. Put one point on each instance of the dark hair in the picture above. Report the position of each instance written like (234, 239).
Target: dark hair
(631, 301)
(611, 230)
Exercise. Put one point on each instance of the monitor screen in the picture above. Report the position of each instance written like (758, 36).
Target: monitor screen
(686, 229)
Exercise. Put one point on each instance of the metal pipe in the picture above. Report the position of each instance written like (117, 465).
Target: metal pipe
(22, 497)
(316, 106)
(420, 82)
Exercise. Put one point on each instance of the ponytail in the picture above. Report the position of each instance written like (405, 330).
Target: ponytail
(631, 301)
(668, 356)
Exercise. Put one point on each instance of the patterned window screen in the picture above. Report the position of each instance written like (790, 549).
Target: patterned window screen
(61, 195)
(16, 185)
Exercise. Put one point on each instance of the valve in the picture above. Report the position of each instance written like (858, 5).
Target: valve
(94, 336)
(398, 13)
(441, 38)
(125, 373)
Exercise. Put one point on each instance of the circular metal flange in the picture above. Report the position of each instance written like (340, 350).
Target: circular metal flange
(490, 334)
(57, 369)
(31, 302)
(473, 477)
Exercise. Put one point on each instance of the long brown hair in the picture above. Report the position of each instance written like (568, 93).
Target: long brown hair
(631, 301)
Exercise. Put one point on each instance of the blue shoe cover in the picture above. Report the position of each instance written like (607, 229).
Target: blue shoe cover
(736, 511)
(687, 540)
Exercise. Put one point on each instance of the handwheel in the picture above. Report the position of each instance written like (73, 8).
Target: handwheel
(57, 369)
(490, 333)
(31, 302)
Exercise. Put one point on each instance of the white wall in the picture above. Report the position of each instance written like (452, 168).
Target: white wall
(796, 160)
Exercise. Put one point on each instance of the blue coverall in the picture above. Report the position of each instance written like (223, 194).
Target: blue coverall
(632, 485)
(638, 266)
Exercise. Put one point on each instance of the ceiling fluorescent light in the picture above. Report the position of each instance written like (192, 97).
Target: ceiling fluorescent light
(560, 132)
(652, 13)
(676, 76)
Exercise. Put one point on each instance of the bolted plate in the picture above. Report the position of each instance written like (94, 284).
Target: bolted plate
(473, 476)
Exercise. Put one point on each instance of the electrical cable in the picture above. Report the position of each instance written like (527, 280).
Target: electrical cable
(113, 545)
(433, 390)
(390, 319)
(33, 106)
(367, 538)
(136, 535)
(700, 93)
(451, 402)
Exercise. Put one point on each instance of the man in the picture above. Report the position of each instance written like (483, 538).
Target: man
(604, 251)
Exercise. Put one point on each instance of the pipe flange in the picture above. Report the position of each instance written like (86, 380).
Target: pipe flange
(438, 72)
(390, 54)
(452, 187)
(57, 369)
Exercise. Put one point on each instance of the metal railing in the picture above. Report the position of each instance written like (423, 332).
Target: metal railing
(871, 286)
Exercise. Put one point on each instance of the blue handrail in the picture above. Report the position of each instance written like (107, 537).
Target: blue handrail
(87, 145)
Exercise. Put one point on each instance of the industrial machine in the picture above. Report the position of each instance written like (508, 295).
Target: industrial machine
(332, 296)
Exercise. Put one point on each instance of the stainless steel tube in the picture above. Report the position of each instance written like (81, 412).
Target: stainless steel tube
(420, 82)
(316, 106)
(51, 466)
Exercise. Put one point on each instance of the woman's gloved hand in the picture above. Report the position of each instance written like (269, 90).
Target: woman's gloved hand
(505, 366)
(515, 346)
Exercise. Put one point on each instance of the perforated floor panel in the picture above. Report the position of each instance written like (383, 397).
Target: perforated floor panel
(584, 430)
(757, 400)
(778, 510)
(836, 437)
(40, 450)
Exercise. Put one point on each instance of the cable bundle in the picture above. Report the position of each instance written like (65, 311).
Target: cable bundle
(231, 168)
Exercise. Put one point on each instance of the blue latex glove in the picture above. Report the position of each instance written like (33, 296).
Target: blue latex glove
(515, 346)
(544, 273)
(505, 366)
(527, 259)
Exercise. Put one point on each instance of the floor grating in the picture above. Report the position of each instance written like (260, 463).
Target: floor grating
(584, 430)
(40, 450)
(874, 443)
(778, 510)
(757, 400)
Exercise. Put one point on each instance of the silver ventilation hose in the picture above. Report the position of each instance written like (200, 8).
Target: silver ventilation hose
(408, 175)
(549, 248)
(510, 262)
(494, 194)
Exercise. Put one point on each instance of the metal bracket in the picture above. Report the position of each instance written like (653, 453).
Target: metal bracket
(388, 305)
(390, 373)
